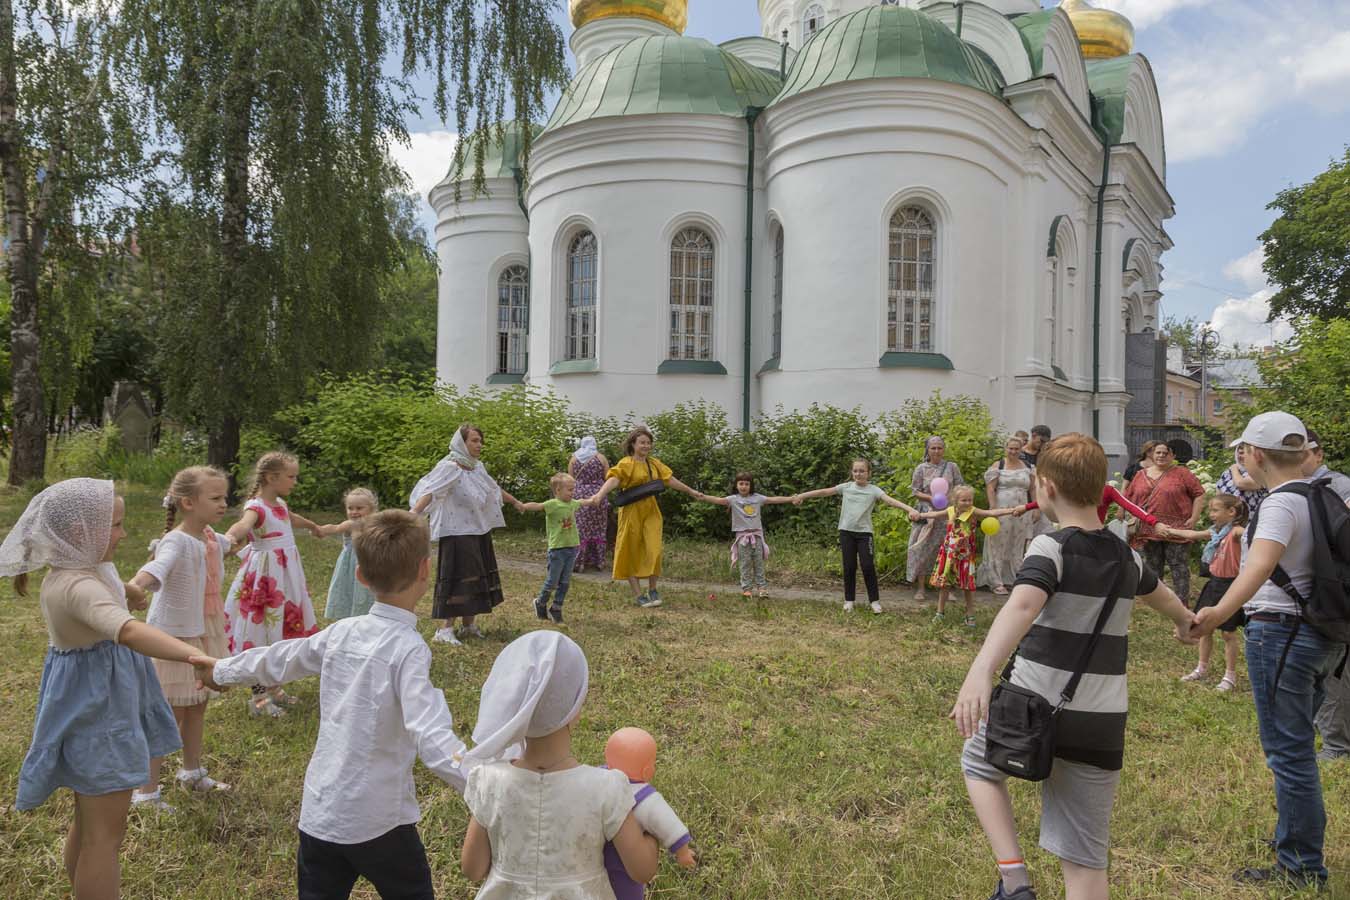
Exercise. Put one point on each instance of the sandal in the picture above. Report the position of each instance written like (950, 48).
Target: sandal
(153, 801)
(263, 706)
(1196, 674)
(1228, 683)
(1000, 589)
(198, 780)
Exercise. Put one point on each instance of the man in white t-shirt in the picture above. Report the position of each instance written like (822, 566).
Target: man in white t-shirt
(1281, 648)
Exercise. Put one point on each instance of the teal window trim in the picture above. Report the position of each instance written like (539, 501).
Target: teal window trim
(506, 378)
(770, 365)
(691, 367)
(573, 366)
(895, 359)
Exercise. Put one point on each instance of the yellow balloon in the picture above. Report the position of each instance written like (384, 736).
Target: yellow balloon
(990, 526)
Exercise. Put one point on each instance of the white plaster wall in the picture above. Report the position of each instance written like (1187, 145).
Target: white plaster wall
(635, 182)
(473, 242)
(602, 35)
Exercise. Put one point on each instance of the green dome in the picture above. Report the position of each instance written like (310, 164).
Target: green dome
(663, 74)
(888, 42)
(500, 157)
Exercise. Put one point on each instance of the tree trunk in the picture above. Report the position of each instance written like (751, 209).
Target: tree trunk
(28, 451)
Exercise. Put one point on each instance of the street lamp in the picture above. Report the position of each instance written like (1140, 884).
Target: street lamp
(1209, 341)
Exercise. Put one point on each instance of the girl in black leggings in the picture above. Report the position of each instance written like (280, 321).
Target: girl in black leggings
(859, 497)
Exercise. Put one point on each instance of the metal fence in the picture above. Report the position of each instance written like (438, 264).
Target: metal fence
(1187, 441)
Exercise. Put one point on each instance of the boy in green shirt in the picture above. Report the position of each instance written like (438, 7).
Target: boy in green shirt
(563, 543)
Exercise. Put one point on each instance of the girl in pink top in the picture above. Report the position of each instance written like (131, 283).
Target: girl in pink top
(1223, 557)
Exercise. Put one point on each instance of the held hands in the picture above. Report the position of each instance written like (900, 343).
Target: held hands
(1019, 511)
(915, 517)
(206, 667)
(1189, 630)
(796, 499)
(1162, 530)
(135, 596)
(1204, 623)
(972, 705)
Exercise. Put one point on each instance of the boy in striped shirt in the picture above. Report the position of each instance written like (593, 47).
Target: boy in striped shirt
(1049, 618)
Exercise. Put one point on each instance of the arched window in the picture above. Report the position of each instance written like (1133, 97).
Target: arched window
(513, 320)
(910, 301)
(582, 256)
(812, 21)
(691, 295)
(778, 293)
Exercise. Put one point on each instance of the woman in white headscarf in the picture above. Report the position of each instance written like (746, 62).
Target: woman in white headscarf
(101, 715)
(589, 467)
(465, 503)
(540, 819)
(925, 542)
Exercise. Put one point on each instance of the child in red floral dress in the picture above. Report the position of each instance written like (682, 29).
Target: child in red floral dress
(960, 548)
(269, 599)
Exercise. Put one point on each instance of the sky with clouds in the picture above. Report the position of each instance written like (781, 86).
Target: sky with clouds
(1254, 100)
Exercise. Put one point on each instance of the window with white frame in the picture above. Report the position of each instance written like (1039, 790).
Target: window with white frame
(582, 261)
(910, 298)
(691, 295)
(813, 20)
(513, 320)
(778, 293)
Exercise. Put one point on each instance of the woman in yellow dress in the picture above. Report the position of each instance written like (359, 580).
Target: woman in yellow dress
(637, 548)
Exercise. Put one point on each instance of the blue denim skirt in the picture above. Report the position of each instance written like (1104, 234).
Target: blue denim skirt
(101, 717)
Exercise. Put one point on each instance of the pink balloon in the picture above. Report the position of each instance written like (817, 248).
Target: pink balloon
(939, 501)
(939, 486)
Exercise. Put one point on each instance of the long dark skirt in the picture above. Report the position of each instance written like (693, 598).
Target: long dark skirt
(467, 581)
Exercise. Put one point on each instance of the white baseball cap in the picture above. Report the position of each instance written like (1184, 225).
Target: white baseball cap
(1268, 431)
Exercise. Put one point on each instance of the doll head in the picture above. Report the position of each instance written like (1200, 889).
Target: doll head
(632, 751)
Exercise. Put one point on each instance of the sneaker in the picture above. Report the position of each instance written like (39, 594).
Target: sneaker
(446, 636)
(1280, 877)
(555, 613)
(969, 621)
(153, 802)
(471, 631)
(1330, 754)
(649, 601)
(1195, 674)
(541, 608)
(848, 606)
(655, 597)
(1226, 684)
(876, 607)
(1023, 893)
(939, 617)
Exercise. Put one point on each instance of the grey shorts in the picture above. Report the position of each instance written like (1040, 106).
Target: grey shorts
(1076, 804)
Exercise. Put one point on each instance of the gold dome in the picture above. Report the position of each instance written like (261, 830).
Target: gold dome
(674, 14)
(1102, 34)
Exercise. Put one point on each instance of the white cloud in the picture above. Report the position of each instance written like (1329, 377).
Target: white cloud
(1247, 269)
(1242, 320)
(1143, 13)
(426, 158)
(1322, 64)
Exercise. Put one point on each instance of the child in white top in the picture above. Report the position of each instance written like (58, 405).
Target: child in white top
(269, 599)
(378, 714)
(100, 713)
(177, 573)
(346, 595)
(540, 819)
(859, 497)
(749, 548)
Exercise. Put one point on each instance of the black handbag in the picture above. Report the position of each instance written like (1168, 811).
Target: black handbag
(1019, 736)
(638, 492)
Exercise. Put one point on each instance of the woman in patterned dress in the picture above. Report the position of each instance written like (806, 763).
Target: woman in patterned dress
(925, 542)
(589, 467)
(1009, 482)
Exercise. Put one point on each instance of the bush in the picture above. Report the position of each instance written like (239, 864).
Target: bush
(966, 427)
(176, 450)
(85, 452)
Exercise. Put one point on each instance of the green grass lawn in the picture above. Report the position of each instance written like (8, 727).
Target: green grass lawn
(808, 751)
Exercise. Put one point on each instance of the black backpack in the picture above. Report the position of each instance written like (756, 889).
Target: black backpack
(1327, 606)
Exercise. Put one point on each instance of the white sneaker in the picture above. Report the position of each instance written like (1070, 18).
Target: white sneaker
(471, 631)
(848, 606)
(876, 607)
(446, 636)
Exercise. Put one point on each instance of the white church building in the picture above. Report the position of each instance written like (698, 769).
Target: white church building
(867, 202)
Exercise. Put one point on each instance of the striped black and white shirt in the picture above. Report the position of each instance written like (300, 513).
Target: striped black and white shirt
(1076, 569)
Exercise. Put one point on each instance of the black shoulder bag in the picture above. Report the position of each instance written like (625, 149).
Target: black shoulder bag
(649, 488)
(1019, 737)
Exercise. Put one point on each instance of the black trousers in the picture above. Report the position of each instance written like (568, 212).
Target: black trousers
(857, 548)
(395, 862)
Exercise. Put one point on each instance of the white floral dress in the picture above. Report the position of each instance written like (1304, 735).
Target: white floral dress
(269, 599)
(1003, 551)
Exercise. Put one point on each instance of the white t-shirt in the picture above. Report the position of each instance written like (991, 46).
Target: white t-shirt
(1283, 518)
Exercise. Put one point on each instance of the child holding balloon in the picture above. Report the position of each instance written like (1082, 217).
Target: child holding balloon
(961, 546)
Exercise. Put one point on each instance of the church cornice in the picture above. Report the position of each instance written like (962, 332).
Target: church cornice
(1044, 104)
(1129, 166)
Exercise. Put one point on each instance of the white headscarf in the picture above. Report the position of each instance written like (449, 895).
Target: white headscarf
(536, 687)
(459, 451)
(66, 526)
(586, 450)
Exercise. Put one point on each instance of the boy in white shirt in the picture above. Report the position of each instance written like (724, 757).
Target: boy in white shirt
(378, 713)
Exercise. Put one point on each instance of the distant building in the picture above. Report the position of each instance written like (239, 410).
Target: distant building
(1229, 380)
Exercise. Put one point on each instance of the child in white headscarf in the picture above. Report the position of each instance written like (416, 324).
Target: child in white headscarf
(540, 819)
(101, 715)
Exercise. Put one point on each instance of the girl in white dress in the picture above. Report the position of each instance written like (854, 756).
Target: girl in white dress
(179, 573)
(540, 819)
(269, 599)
